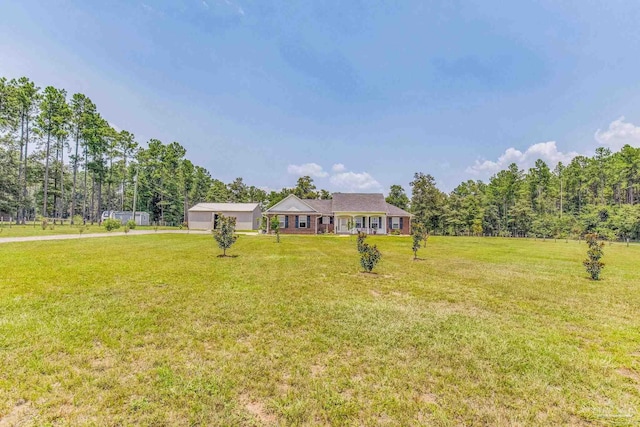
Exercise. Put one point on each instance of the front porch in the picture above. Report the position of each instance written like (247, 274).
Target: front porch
(368, 224)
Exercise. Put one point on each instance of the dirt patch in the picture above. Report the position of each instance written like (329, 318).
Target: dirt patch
(375, 293)
(369, 274)
(227, 256)
(258, 410)
(317, 370)
(628, 373)
(428, 398)
(22, 414)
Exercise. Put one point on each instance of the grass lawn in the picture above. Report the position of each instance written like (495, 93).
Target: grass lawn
(156, 330)
(29, 230)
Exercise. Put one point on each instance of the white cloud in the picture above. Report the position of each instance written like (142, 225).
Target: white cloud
(352, 181)
(619, 134)
(547, 151)
(205, 4)
(338, 167)
(340, 178)
(313, 170)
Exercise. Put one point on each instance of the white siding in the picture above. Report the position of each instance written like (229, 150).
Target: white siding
(244, 220)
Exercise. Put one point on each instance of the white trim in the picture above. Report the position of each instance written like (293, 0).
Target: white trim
(395, 223)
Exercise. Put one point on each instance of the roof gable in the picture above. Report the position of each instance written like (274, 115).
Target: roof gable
(291, 203)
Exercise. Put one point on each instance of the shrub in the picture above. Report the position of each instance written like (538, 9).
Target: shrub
(44, 222)
(77, 220)
(593, 264)
(131, 224)
(361, 237)
(111, 224)
(369, 257)
(224, 233)
(126, 228)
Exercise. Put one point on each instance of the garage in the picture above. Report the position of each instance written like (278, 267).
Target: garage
(203, 216)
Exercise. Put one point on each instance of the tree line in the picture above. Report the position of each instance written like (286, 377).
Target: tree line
(59, 158)
(598, 194)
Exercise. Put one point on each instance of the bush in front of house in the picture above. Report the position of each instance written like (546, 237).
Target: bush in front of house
(361, 238)
(369, 257)
(111, 224)
(593, 264)
(131, 224)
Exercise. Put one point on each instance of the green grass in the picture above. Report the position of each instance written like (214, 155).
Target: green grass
(156, 330)
(12, 230)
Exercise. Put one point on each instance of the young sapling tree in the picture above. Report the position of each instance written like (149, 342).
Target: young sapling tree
(224, 234)
(416, 238)
(593, 264)
(275, 227)
(369, 257)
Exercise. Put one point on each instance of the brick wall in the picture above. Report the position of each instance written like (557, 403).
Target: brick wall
(406, 226)
(291, 229)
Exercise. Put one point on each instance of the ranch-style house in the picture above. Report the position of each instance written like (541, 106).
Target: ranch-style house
(345, 213)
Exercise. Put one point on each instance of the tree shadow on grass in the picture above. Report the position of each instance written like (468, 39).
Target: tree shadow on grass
(419, 259)
(227, 256)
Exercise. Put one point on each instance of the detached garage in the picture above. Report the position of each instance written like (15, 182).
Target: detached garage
(204, 216)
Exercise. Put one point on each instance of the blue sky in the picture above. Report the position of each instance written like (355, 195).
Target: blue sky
(358, 94)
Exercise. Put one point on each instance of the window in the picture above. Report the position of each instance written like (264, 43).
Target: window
(374, 222)
(302, 221)
(358, 222)
(281, 221)
(395, 223)
(326, 220)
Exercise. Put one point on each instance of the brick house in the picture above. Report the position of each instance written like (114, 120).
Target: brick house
(346, 213)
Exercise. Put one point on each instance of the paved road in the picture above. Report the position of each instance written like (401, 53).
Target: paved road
(96, 235)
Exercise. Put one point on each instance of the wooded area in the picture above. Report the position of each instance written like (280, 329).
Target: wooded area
(60, 158)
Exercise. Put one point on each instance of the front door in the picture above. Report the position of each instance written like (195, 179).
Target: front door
(343, 225)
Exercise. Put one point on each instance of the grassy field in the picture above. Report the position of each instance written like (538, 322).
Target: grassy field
(156, 330)
(13, 230)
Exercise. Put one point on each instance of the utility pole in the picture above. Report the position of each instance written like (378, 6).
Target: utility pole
(135, 195)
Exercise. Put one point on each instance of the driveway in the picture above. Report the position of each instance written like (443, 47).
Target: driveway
(96, 235)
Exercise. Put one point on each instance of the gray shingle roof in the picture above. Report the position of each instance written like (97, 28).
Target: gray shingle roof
(322, 206)
(351, 202)
(359, 202)
(396, 211)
